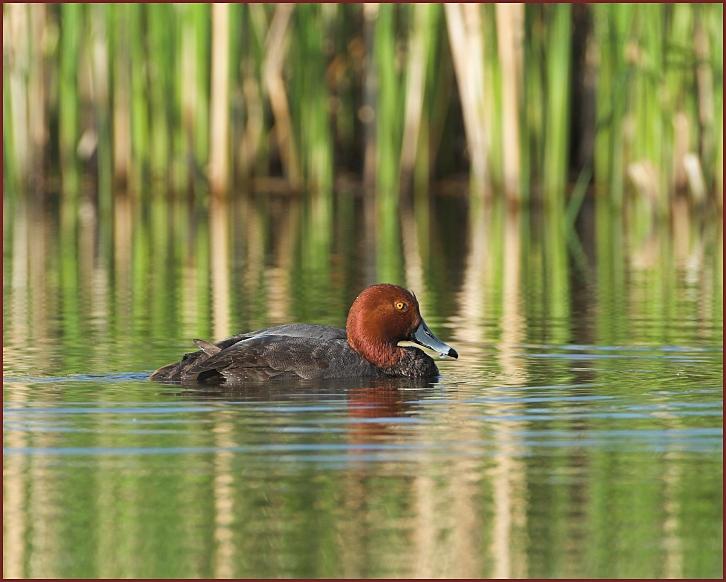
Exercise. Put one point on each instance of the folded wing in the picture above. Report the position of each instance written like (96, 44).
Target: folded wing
(267, 356)
(177, 371)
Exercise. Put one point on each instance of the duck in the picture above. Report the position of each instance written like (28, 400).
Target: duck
(380, 318)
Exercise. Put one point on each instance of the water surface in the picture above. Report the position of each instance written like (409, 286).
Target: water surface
(578, 435)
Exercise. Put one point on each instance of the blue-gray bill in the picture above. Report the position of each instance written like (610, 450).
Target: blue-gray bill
(423, 336)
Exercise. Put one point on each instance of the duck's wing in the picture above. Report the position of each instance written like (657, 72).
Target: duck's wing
(266, 356)
(304, 330)
(176, 371)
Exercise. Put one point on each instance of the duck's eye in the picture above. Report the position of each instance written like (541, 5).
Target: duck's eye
(401, 306)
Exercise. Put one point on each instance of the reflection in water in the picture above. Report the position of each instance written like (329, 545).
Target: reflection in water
(219, 254)
(375, 407)
(579, 434)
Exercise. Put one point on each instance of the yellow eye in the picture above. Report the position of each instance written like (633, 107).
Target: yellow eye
(401, 306)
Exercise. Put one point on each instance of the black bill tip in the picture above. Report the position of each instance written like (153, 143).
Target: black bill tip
(422, 336)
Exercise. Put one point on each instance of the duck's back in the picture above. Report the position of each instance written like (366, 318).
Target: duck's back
(292, 350)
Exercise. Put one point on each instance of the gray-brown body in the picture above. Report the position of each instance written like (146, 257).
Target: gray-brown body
(293, 350)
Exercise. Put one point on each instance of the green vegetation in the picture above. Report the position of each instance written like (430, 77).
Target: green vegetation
(212, 98)
(578, 435)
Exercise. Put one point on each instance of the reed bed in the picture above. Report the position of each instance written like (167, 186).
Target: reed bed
(531, 103)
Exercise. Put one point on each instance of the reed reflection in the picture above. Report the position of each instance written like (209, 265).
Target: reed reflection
(573, 380)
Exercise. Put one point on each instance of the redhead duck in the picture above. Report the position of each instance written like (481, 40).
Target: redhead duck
(380, 317)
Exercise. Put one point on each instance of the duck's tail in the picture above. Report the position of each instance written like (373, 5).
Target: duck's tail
(175, 372)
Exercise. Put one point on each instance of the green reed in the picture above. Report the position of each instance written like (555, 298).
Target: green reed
(136, 98)
(71, 36)
(557, 70)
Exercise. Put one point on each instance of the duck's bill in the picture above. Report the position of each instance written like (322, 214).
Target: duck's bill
(424, 337)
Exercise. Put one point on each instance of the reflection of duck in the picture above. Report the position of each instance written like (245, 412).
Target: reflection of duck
(375, 402)
(373, 407)
(380, 317)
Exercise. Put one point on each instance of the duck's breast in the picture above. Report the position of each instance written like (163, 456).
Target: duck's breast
(414, 364)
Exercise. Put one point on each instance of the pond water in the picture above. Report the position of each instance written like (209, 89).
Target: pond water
(578, 435)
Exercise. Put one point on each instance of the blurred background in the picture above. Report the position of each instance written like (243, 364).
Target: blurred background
(548, 179)
(520, 101)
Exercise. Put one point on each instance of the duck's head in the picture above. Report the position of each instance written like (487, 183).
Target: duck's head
(384, 315)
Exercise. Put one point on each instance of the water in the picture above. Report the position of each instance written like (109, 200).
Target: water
(578, 435)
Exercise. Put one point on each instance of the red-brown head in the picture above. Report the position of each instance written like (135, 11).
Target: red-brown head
(383, 315)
